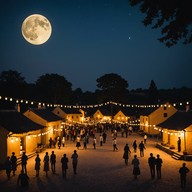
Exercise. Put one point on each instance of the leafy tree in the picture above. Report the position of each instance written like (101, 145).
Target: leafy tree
(12, 83)
(174, 17)
(153, 93)
(54, 88)
(112, 87)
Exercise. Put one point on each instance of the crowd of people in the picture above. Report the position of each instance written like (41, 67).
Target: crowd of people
(83, 135)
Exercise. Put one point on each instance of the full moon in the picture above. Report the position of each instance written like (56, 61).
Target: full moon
(36, 29)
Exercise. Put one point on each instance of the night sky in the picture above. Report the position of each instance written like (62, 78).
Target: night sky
(91, 38)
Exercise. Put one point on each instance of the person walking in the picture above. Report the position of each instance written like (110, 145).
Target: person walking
(8, 167)
(64, 162)
(85, 142)
(158, 164)
(24, 159)
(136, 168)
(46, 163)
(135, 146)
(63, 141)
(74, 161)
(152, 162)
(53, 161)
(126, 154)
(94, 142)
(183, 174)
(37, 165)
(141, 147)
(115, 144)
(14, 162)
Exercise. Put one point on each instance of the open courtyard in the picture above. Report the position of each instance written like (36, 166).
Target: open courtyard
(102, 170)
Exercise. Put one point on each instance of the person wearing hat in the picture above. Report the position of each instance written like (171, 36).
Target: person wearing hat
(152, 161)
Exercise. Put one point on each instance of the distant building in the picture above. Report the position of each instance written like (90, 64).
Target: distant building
(178, 125)
(18, 134)
(71, 115)
(152, 116)
(50, 122)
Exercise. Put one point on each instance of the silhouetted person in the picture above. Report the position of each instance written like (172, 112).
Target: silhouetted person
(46, 163)
(126, 153)
(145, 138)
(104, 137)
(94, 142)
(183, 174)
(64, 161)
(53, 161)
(135, 146)
(74, 161)
(141, 147)
(24, 159)
(152, 162)
(158, 164)
(179, 144)
(37, 165)
(14, 162)
(8, 167)
(23, 179)
(136, 169)
(50, 142)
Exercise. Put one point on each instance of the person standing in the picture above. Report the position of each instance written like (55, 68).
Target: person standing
(46, 163)
(126, 154)
(63, 141)
(24, 159)
(74, 161)
(183, 174)
(115, 144)
(53, 161)
(104, 137)
(158, 164)
(101, 140)
(135, 146)
(78, 144)
(152, 162)
(50, 142)
(8, 167)
(179, 144)
(37, 165)
(145, 138)
(94, 142)
(14, 162)
(64, 162)
(136, 168)
(141, 147)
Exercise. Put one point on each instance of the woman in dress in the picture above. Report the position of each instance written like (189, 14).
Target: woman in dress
(136, 169)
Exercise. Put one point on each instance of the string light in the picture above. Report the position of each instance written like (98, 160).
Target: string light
(92, 106)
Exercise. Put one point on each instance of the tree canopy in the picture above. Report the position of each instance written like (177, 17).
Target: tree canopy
(174, 17)
(113, 87)
(54, 88)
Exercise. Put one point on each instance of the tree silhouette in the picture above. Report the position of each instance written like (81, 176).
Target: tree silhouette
(174, 17)
(113, 87)
(54, 88)
(153, 93)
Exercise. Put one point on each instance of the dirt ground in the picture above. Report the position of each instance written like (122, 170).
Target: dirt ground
(102, 170)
